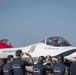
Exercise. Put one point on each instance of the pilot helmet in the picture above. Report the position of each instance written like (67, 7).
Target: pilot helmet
(55, 39)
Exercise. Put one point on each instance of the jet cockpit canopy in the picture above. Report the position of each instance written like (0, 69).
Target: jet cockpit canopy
(56, 41)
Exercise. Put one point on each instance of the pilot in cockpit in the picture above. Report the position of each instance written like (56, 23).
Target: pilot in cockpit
(55, 41)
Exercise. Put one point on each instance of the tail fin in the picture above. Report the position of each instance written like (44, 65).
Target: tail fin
(3, 44)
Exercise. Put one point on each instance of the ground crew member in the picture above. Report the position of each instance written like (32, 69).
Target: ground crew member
(19, 65)
(60, 68)
(73, 68)
(39, 68)
(1, 66)
(7, 69)
(48, 59)
(49, 63)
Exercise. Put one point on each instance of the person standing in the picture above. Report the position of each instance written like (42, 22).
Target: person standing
(7, 69)
(19, 65)
(60, 68)
(73, 68)
(1, 66)
(39, 68)
(49, 63)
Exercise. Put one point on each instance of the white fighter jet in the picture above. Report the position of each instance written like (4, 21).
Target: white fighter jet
(52, 46)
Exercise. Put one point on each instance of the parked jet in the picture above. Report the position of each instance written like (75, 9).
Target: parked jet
(53, 46)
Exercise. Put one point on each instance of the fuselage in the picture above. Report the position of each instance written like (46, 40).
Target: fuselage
(39, 49)
(53, 46)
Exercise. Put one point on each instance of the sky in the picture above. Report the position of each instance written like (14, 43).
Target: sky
(26, 22)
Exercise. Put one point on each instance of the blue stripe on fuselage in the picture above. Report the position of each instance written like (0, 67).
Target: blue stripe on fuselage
(66, 53)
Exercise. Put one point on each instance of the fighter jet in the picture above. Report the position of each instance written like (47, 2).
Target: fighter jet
(52, 46)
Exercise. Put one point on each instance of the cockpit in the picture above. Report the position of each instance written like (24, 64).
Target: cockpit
(56, 41)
